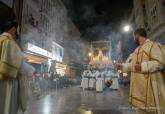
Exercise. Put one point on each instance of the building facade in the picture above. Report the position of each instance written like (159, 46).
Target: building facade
(150, 14)
(35, 41)
(46, 26)
(47, 34)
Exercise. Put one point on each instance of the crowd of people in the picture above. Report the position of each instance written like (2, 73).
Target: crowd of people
(42, 83)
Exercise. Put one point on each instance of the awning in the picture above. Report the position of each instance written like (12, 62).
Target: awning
(35, 59)
(61, 66)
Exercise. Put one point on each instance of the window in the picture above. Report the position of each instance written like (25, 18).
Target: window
(144, 11)
(153, 14)
(33, 21)
(61, 52)
(148, 29)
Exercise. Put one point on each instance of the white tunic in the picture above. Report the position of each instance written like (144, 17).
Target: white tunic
(85, 80)
(100, 85)
(115, 83)
(92, 80)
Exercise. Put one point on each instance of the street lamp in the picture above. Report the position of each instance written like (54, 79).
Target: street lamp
(89, 54)
(127, 28)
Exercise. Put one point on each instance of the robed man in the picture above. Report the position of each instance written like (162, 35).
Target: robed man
(147, 86)
(13, 68)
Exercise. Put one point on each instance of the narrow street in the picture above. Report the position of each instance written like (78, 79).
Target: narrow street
(74, 100)
(82, 56)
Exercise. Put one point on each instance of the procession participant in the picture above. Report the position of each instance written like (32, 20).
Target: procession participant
(92, 80)
(107, 75)
(85, 79)
(100, 84)
(97, 73)
(147, 88)
(115, 82)
(13, 68)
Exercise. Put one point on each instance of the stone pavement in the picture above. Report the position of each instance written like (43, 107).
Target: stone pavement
(74, 100)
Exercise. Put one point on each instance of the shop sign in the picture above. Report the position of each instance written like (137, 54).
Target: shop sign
(38, 50)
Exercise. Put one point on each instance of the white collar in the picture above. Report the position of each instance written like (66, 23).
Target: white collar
(6, 34)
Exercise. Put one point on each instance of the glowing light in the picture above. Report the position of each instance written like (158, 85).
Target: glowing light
(119, 71)
(38, 50)
(125, 74)
(89, 54)
(126, 28)
(56, 54)
(88, 112)
(49, 64)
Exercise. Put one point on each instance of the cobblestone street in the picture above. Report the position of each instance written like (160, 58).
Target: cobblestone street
(74, 100)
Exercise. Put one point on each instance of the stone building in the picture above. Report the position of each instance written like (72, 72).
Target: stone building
(37, 24)
(48, 34)
(137, 14)
(45, 24)
(150, 14)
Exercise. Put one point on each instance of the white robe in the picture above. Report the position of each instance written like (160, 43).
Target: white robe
(12, 86)
(115, 82)
(92, 81)
(108, 76)
(85, 80)
(100, 84)
(147, 87)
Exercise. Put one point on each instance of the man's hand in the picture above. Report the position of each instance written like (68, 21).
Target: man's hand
(138, 67)
(119, 66)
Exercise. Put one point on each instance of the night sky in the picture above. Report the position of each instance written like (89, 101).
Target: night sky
(96, 19)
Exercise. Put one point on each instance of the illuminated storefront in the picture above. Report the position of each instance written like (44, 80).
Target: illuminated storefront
(44, 60)
(40, 63)
(58, 53)
(60, 68)
(38, 57)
